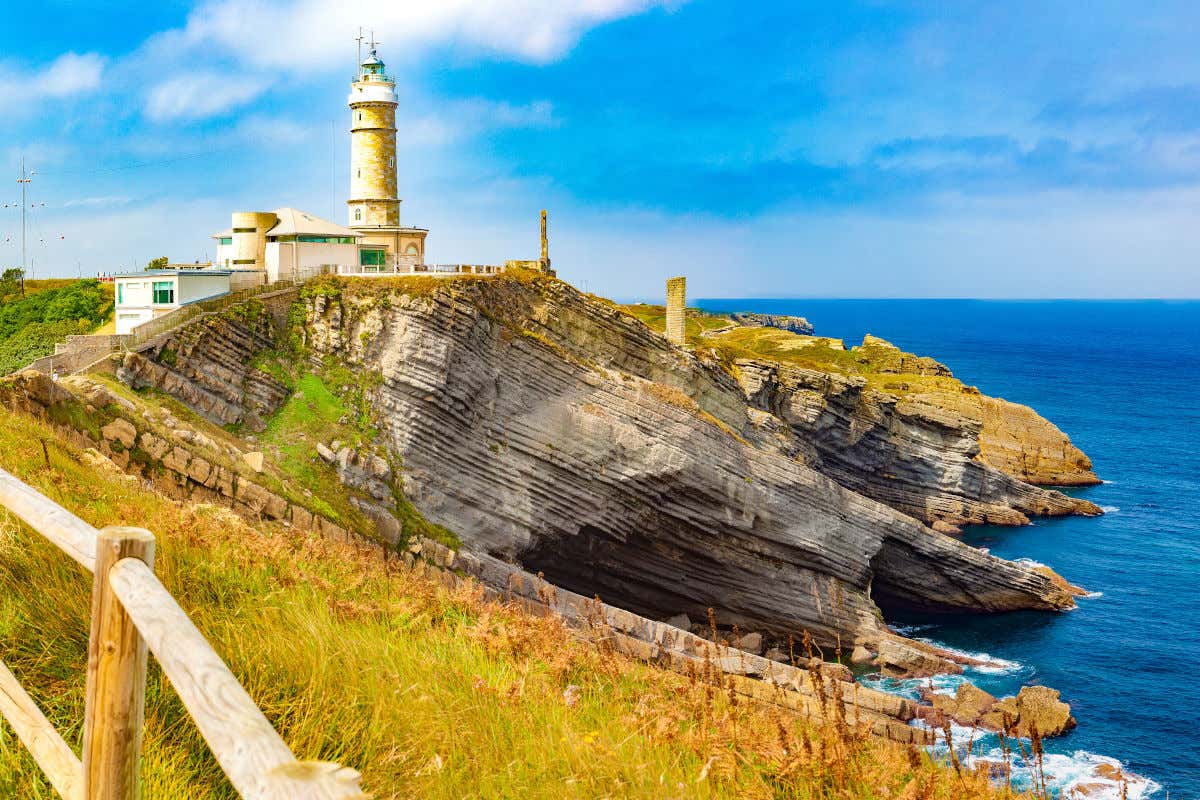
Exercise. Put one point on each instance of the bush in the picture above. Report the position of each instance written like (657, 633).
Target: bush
(31, 325)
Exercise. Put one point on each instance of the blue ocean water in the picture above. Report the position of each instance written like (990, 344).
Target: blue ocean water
(1122, 379)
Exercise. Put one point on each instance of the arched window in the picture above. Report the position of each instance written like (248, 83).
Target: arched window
(358, 215)
(412, 249)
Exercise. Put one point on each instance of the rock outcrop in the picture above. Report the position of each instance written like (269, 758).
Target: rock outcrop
(913, 452)
(780, 321)
(207, 365)
(555, 431)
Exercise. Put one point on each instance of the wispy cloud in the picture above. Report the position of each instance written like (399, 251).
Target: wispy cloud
(103, 201)
(198, 95)
(69, 74)
(308, 34)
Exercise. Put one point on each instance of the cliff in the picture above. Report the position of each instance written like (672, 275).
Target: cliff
(555, 431)
(531, 423)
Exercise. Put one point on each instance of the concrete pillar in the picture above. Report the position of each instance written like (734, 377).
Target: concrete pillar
(677, 310)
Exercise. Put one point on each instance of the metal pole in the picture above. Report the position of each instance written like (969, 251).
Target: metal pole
(24, 181)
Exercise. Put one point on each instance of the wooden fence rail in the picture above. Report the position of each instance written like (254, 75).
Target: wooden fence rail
(132, 612)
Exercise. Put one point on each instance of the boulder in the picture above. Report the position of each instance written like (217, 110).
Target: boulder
(327, 455)
(1034, 707)
(967, 706)
(156, 447)
(120, 430)
(751, 643)
(254, 460)
(861, 655)
(680, 621)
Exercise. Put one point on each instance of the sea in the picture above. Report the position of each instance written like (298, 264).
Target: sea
(1122, 379)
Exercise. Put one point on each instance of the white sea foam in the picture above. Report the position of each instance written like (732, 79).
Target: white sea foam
(1092, 595)
(1028, 562)
(1063, 773)
(991, 664)
(1110, 509)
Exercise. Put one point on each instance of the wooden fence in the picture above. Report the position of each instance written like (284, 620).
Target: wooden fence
(132, 612)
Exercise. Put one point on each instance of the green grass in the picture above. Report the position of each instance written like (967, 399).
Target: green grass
(697, 323)
(430, 692)
(314, 414)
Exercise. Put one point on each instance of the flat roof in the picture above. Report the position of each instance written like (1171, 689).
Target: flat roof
(162, 273)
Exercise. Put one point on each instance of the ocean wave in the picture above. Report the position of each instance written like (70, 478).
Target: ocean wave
(1110, 509)
(909, 630)
(913, 688)
(1064, 773)
(1092, 595)
(992, 665)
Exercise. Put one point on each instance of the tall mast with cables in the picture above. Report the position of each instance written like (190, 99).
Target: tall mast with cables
(24, 181)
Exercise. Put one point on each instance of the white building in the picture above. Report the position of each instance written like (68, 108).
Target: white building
(287, 245)
(142, 296)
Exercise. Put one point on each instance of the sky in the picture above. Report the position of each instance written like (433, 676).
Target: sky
(861, 148)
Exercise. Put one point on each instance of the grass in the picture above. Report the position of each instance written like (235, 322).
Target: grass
(695, 326)
(429, 691)
(313, 414)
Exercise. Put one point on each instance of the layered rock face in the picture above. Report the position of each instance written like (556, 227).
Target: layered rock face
(553, 430)
(207, 366)
(780, 321)
(914, 453)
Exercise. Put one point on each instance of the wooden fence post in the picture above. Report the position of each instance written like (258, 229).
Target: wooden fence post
(116, 677)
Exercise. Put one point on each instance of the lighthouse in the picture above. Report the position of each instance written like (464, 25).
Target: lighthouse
(374, 203)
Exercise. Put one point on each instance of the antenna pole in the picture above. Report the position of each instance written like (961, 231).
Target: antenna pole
(24, 181)
(358, 66)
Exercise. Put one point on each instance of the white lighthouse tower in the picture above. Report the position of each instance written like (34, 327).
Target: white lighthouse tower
(374, 204)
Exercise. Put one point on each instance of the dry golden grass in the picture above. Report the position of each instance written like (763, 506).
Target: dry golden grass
(430, 691)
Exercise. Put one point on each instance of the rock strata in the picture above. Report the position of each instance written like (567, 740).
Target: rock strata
(553, 430)
(787, 323)
(911, 453)
(207, 366)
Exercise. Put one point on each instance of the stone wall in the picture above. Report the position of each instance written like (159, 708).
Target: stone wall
(677, 310)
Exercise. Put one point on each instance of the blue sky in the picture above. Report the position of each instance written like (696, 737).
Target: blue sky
(852, 149)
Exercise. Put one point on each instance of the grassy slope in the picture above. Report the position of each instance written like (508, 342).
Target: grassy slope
(430, 692)
(810, 352)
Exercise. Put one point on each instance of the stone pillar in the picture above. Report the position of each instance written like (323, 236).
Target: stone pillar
(545, 260)
(677, 310)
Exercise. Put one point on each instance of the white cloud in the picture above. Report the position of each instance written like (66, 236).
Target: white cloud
(197, 95)
(69, 74)
(100, 201)
(308, 34)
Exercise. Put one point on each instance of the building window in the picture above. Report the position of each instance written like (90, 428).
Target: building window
(372, 258)
(391, 161)
(412, 250)
(120, 294)
(360, 116)
(226, 240)
(360, 173)
(245, 230)
(164, 292)
(358, 215)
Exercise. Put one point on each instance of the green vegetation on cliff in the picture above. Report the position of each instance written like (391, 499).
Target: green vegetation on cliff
(31, 325)
(429, 691)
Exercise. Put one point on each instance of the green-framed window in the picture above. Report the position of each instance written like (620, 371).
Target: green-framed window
(120, 294)
(226, 240)
(372, 258)
(164, 292)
